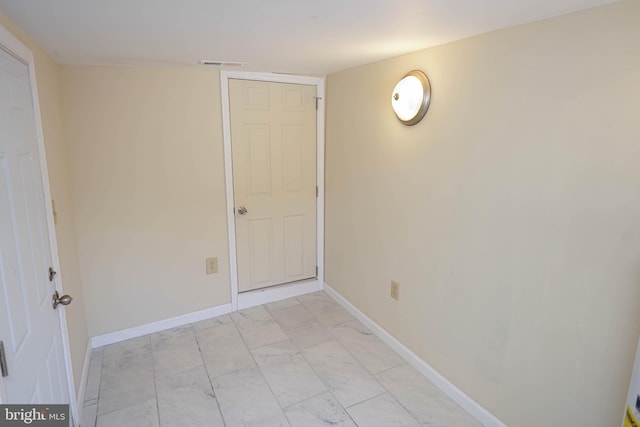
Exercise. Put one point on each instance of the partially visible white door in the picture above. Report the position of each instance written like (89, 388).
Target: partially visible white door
(273, 145)
(29, 326)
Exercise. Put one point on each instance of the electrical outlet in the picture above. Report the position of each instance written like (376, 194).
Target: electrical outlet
(212, 265)
(395, 290)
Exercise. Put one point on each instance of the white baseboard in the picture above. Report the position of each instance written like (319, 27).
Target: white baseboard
(83, 383)
(245, 300)
(478, 412)
(277, 293)
(161, 325)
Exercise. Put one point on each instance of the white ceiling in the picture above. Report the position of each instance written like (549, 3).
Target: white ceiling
(292, 36)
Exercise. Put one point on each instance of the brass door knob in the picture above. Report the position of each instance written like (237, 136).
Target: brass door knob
(60, 300)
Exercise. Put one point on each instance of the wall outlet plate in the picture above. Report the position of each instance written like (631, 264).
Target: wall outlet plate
(212, 265)
(395, 290)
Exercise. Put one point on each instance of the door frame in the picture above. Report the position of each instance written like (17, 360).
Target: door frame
(14, 46)
(244, 300)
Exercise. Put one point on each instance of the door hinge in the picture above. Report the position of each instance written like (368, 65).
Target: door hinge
(316, 191)
(317, 101)
(316, 271)
(55, 213)
(3, 361)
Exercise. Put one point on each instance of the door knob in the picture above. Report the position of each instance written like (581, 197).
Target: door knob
(242, 210)
(63, 300)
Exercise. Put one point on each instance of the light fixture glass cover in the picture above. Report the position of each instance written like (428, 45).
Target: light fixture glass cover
(411, 96)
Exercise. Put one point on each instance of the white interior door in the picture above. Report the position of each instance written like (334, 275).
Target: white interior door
(29, 326)
(273, 145)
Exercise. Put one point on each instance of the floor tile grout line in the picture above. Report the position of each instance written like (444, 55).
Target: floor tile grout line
(319, 320)
(271, 310)
(258, 365)
(155, 377)
(373, 375)
(299, 351)
(307, 399)
(99, 384)
(357, 361)
(288, 338)
(187, 368)
(387, 391)
(98, 415)
(97, 399)
(394, 398)
(415, 417)
(206, 369)
(328, 327)
(368, 399)
(319, 376)
(246, 317)
(351, 354)
(311, 398)
(328, 388)
(155, 380)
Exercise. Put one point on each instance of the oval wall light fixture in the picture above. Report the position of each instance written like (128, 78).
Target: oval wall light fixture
(411, 97)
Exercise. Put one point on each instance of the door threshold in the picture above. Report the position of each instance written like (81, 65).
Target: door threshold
(277, 293)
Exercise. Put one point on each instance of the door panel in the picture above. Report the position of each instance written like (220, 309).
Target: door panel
(273, 140)
(294, 246)
(29, 326)
(259, 157)
(293, 158)
(261, 244)
(17, 313)
(27, 196)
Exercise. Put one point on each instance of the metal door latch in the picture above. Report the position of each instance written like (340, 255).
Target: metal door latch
(52, 274)
(3, 361)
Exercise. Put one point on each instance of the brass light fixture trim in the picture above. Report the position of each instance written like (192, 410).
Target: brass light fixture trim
(411, 97)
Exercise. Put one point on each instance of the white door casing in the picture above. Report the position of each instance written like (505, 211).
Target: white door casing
(273, 138)
(261, 296)
(34, 334)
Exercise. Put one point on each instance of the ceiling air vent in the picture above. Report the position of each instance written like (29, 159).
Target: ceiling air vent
(214, 63)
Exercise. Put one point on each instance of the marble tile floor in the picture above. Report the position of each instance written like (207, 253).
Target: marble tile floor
(301, 362)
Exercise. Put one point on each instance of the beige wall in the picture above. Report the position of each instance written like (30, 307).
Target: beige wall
(510, 215)
(47, 74)
(149, 193)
